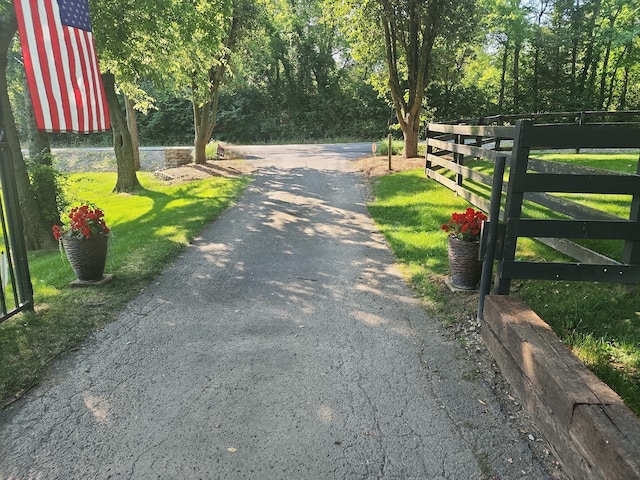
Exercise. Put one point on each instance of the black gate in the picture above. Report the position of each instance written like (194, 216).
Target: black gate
(16, 291)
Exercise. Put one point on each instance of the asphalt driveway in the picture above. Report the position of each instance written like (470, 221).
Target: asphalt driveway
(282, 344)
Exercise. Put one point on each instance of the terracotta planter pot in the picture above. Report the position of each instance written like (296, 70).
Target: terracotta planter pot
(464, 266)
(87, 256)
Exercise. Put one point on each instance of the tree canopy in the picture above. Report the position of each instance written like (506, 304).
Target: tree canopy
(302, 70)
(328, 69)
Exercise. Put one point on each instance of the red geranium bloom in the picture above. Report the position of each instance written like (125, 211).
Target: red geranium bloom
(465, 226)
(84, 222)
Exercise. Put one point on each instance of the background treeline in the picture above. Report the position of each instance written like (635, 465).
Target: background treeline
(297, 76)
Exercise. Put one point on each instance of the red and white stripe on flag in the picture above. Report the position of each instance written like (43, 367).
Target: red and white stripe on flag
(61, 66)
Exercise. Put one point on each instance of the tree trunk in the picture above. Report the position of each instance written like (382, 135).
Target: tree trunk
(613, 78)
(536, 56)
(201, 118)
(603, 76)
(44, 185)
(516, 77)
(589, 63)
(204, 117)
(37, 233)
(573, 85)
(622, 99)
(132, 126)
(622, 102)
(127, 180)
(536, 74)
(575, 40)
(415, 37)
(411, 136)
(503, 77)
(200, 150)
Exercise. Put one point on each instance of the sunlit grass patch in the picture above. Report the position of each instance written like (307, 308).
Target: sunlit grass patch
(599, 322)
(149, 228)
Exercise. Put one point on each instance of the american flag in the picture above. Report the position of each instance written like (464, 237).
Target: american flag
(61, 66)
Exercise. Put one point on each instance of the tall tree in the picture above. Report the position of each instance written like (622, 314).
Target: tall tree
(129, 41)
(410, 30)
(505, 24)
(202, 44)
(537, 47)
(293, 79)
(127, 179)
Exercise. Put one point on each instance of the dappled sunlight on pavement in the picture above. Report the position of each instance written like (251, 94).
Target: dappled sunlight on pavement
(283, 343)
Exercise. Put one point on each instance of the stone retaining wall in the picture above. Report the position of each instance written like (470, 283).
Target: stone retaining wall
(104, 160)
(177, 156)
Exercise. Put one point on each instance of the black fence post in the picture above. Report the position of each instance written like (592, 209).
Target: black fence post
(459, 158)
(491, 232)
(429, 151)
(499, 122)
(513, 205)
(581, 121)
(631, 249)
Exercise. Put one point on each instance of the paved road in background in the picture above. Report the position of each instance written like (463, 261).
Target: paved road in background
(282, 344)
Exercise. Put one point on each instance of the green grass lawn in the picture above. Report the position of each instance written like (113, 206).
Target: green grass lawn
(614, 204)
(617, 162)
(600, 322)
(149, 228)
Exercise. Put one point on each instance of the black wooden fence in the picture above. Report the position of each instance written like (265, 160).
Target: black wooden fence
(581, 117)
(533, 180)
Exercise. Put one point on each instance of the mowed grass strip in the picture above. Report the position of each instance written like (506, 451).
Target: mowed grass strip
(599, 322)
(149, 228)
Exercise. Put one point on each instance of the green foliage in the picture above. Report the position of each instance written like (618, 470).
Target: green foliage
(149, 229)
(451, 101)
(599, 321)
(288, 84)
(315, 69)
(251, 115)
(171, 123)
(197, 35)
(396, 147)
(571, 55)
(16, 86)
(211, 151)
(47, 185)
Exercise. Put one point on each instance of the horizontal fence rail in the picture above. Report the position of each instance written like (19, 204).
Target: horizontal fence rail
(579, 117)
